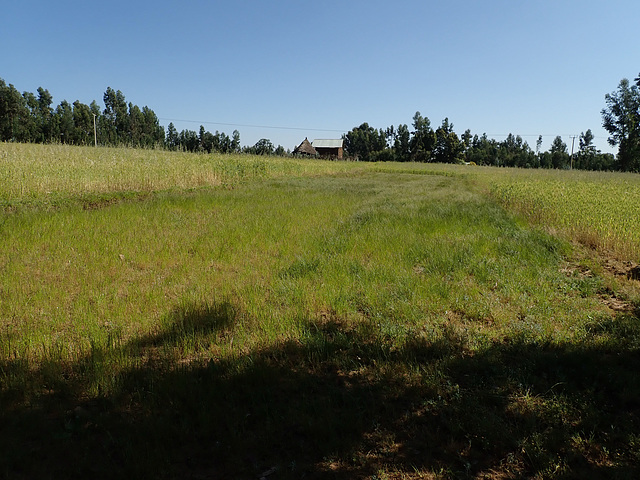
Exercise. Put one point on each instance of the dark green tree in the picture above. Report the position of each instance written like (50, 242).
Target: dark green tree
(223, 143)
(30, 125)
(18, 113)
(514, 152)
(152, 131)
(559, 153)
(123, 119)
(234, 146)
(466, 139)
(621, 118)
(63, 119)
(589, 158)
(538, 144)
(207, 140)
(83, 124)
(263, 147)
(402, 144)
(108, 129)
(45, 114)
(201, 135)
(364, 142)
(172, 139)
(604, 162)
(116, 121)
(189, 141)
(135, 135)
(483, 151)
(423, 140)
(586, 154)
(447, 148)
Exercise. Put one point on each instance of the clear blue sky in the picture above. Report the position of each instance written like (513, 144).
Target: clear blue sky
(496, 66)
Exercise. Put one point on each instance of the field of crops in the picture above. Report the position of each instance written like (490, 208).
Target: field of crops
(166, 315)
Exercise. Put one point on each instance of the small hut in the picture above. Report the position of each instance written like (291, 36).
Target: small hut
(305, 148)
(329, 148)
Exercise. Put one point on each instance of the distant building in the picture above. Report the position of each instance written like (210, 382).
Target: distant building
(305, 148)
(329, 148)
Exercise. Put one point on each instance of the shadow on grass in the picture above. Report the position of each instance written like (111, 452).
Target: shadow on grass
(341, 402)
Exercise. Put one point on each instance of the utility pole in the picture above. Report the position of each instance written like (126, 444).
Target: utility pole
(95, 134)
(573, 141)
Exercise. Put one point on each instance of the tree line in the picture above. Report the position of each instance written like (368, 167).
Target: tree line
(219, 142)
(423, 143)
(31, 118)
(27, 117)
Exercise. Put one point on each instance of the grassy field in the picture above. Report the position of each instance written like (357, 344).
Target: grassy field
(598, 209)
(165, 315)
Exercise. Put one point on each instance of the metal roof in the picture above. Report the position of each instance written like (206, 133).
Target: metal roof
(327, 143)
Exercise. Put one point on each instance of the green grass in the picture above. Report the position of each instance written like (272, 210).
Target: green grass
(328, 319)
(598, 209)
(51, 176)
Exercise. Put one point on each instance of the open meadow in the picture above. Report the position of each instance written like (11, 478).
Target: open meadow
(173, 315)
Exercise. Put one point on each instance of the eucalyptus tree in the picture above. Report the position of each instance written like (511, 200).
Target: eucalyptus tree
(234, 146)
(45, 113)
(483, 150)
(63, 120)
(189, 140)
(559, 153)
(364, 142)
(447, 148)
(135, 131)
(515, 152)
(108, 130)
(621, 118)
(402, 143)
(31, 128)
(171, 141)
(153, 133)
(115, 119)
(224, 144)
(83, 124)
(538, 145)
(13, 111)
(465, 139)
(207, 140)
(262, 147)
(423, 140)
(584, 158)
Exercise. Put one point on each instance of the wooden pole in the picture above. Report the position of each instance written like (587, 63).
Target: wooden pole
(573, 140)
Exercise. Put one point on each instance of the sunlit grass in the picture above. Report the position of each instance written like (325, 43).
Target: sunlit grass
(601, 210)
(598, 209)
(44, 175)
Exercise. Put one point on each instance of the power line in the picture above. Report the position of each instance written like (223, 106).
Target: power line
(280, 127)
(530, 134)
(251, 126)
(548, 135)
